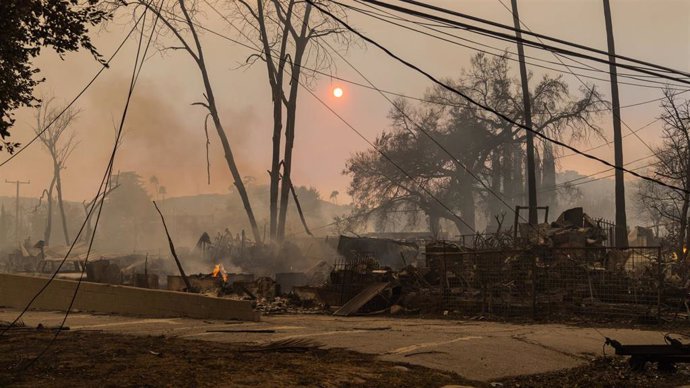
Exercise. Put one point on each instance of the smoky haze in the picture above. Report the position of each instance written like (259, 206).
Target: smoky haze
(164, 133)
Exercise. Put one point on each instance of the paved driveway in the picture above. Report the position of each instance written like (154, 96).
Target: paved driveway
(477, 350)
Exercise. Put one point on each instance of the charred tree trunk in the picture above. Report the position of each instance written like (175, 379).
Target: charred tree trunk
(61, 205)
(296, 67)
(229, 157)
(287, 171)
(275, 77)
(49, 217)
(275, 164)
(213, 110)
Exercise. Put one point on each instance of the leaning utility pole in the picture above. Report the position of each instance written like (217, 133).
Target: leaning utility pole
(531, 179)
(16, 213)
(621, 221)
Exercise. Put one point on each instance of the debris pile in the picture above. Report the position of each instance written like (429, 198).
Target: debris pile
(572, 229)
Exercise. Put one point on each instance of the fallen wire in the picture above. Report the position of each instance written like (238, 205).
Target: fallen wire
(105, 182)
(81, 229)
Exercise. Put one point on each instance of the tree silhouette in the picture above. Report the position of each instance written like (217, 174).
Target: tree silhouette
(334, 196)
(60, 144)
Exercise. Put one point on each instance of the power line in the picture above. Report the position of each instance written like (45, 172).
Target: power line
(375, 88)
(531, 43)
(258, 49)
(392, 93)
(609, 142)
(385, 18)
(74, 100)
(577, 76)
(617, 116)
(512, 30)
(564, 184)
(480, 105)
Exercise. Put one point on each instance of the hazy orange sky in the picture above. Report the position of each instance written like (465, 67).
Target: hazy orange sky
(165, 136)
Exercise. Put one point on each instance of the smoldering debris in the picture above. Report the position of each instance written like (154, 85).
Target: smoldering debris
(563, 268)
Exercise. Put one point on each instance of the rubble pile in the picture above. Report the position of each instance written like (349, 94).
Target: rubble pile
(572, 229)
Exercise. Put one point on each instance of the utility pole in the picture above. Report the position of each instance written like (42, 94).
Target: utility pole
(531, 179)
(621, 219)
(16, 213)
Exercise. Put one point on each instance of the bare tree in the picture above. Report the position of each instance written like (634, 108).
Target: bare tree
(290, 34)
(60, 144)
(178, 17)
(672, 166)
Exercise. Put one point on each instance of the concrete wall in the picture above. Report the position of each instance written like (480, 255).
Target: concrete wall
(17, 290)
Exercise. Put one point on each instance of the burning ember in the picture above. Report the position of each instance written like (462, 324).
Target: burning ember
(219, 270)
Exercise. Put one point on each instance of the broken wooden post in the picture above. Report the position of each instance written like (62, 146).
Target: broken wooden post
(172, 250)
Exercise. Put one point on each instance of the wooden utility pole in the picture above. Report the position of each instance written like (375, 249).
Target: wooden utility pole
(16, 212)
(621, 219)
(531, 178)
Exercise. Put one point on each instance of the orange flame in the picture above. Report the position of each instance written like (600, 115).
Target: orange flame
(218, 269)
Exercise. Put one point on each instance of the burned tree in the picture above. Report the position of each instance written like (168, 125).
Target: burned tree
(179, 19)
(481, 166)
(290, 34)
(554, 112)
(423, 175)
(60, 143)
(671, 166)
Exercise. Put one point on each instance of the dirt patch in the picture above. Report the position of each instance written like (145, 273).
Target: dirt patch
(84, 359)
(604, 372)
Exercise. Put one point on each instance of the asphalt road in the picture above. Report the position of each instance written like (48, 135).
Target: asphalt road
(477, 350)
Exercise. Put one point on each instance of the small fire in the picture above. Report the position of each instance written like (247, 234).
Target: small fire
(219, 270)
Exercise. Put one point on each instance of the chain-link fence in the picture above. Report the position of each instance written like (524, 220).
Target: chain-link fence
(548, 282)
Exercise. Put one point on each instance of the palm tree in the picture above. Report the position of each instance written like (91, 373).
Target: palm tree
(334, 196)
(162, 192)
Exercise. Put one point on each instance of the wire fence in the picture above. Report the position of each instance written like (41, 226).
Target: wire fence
(547, 282)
